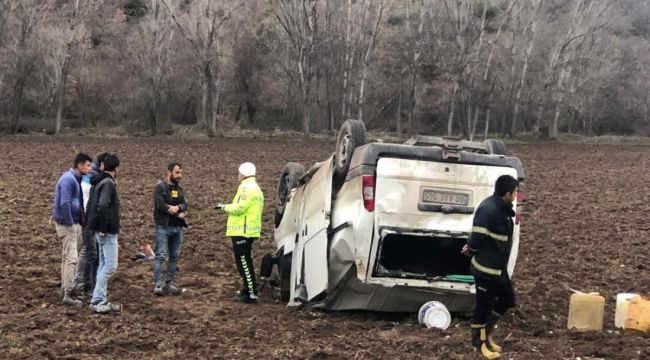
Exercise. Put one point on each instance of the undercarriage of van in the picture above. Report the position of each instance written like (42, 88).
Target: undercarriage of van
(432, 256)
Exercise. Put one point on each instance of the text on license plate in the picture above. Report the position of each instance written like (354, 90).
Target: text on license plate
(438, 196)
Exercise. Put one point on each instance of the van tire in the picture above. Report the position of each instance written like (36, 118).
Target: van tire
(284, 267)
(351, 135)
(495, 146)
(289, 180)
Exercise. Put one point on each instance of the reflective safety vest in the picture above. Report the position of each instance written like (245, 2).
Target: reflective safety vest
(245, 212)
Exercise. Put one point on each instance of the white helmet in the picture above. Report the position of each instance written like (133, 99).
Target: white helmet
(247, 169)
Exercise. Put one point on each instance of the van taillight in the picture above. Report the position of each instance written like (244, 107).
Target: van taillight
(368, 191)
(520, 203)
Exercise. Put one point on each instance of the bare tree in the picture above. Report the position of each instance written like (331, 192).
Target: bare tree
(152, 53)
(529, 33)
(366, 60)
(201, 24)
(589, 18)
(466, 36)
(299, 21)
(22, 51)
(62, 36)
(413, 35)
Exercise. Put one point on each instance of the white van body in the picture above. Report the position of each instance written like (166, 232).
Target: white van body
(397, 245)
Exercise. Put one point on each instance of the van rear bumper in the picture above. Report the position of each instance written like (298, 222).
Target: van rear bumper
(392, 295)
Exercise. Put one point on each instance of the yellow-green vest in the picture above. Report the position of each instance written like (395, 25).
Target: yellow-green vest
(245, 212)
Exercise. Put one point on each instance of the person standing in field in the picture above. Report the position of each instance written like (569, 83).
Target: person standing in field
(88, 260)
(489, 245)
(104, 220)
(244, 226)
(68, 214)
(169, 214)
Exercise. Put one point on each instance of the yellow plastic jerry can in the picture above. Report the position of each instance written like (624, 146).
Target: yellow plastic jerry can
(586, 312)
(638, 315)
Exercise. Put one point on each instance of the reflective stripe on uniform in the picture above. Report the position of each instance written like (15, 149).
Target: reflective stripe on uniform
(247, 275)
(485, 269)
(243, 228)
(485, 231)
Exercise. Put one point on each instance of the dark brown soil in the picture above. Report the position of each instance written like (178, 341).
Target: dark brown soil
(585, 227)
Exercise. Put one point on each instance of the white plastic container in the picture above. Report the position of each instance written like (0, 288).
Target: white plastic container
(622, 306)
(434, 314)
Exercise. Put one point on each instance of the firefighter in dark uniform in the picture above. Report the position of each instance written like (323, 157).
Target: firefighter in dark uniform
(489, 246)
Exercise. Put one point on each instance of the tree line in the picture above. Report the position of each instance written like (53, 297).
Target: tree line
(451, 67)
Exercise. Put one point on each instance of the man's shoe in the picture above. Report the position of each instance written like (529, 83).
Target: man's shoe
(173, 290)
(105, 307)
(114, 307)
(246, 299)
(101, 308)
(69, 300)
(158, 290)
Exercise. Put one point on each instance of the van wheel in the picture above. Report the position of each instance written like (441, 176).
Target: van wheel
(288, 180)
(351, 135)
(285, 277)
(495, 146)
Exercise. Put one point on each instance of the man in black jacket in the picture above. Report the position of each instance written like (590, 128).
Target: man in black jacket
(104, 220)
(489, 245)
(88, 259)
(169, 216)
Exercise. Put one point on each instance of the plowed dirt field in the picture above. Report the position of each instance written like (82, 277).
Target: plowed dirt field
(586, 226)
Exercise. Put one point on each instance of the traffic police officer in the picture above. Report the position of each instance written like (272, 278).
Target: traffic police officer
(244, 227)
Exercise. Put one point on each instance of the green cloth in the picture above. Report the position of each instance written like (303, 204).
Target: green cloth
(461, 278)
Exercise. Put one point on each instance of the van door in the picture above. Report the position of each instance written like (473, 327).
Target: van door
(310, 260)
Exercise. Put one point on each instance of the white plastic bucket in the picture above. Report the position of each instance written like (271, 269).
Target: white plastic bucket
(622, 305)
(434, 314)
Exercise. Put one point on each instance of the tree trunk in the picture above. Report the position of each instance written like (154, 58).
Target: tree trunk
(488, 110)
(61, 93)
(540, 111)
(208, 100)
(553, 128)
(450, 119)
(564, 73)
(524, 70)
(16, 104)
(398, 127)
(347, 63)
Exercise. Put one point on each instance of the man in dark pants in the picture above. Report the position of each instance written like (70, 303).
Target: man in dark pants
(489, 245)
(169, 216)
(244, 227)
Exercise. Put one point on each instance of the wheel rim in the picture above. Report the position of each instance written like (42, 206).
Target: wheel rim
(343, 151)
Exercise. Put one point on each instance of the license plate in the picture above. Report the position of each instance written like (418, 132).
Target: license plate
(438, 196)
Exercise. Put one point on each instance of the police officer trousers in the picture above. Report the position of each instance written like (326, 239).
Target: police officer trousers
(242, 249)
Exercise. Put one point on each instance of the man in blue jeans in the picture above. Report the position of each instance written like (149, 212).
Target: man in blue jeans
(88, 259)
(104, 220)
(169, 216)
